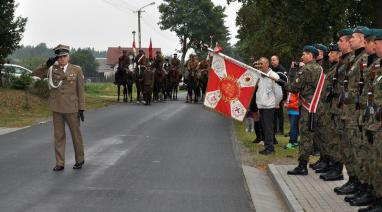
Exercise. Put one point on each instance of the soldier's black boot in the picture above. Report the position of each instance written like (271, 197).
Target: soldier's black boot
(322, 162)
(315, 163)
(365, 199)
(324, 166)
(301, 169)
(334, 174)
(350, 187)
(360, 191)
(376, 206)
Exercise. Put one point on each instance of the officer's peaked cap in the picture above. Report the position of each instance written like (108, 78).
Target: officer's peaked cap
(61, 50)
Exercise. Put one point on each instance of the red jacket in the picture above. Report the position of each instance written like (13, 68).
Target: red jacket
(292, 101)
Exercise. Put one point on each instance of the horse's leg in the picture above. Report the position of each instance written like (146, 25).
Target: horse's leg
(118, 90)
(125, 92)
(130, 91)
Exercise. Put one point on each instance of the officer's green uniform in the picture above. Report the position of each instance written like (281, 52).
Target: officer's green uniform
(66, 99)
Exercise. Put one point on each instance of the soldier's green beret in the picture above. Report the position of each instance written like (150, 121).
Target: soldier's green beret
(311, 49)
(378, 34)
(334, 47)
(345, 32)
(321, 47)
(61, 50)
(361, 29)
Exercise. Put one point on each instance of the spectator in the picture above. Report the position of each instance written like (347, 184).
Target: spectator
(292, 105)
(268, 96)
(250, 122)
(279, 112)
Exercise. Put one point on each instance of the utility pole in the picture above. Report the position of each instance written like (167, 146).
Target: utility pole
(139, 22)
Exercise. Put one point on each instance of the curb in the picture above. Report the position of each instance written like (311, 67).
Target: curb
(287, 195)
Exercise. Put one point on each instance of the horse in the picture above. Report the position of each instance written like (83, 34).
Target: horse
(174, 83)
(130, 81)
(121, 80)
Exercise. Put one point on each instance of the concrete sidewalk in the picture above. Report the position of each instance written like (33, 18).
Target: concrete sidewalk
(308, 193)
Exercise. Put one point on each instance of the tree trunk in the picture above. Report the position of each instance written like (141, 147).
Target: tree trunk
(184, 52)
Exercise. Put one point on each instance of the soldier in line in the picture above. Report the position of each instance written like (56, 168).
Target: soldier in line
(67, 101)
(157, 66)
(373, 123)
(305, 84)
(325, 132)
(174, 76)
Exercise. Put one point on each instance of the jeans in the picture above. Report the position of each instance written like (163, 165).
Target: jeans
(293, 121)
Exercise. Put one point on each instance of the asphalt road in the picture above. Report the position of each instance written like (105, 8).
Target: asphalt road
(166, 157)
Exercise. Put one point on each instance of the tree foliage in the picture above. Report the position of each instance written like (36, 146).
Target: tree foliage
(194, 21)
(11, 29)
(85, 59)
(269, 27)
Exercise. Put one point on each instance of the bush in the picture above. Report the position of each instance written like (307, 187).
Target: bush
(21, 82)
(40, 88)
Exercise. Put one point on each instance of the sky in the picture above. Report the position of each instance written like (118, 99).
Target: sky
(102, 23)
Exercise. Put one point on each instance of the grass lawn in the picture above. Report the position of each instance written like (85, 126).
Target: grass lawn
(18, 108)
(249, 150)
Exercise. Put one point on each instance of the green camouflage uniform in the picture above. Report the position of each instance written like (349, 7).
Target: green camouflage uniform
(363, 156)
(373, 132)
(325, 135)
(305, 84)
(349, 114)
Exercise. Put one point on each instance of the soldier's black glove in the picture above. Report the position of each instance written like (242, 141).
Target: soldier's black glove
(81, 115)
(281, 82)
(51, 61)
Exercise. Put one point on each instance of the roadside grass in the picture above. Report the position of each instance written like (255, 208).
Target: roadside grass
(19, 108)
(251, 150)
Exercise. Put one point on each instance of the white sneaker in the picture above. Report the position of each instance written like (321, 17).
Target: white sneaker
(261, 143)
(252, 130)
(246, 129)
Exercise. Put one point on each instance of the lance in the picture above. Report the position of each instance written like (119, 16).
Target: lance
(272, 76)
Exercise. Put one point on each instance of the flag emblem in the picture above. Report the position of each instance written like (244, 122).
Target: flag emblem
(230, 87)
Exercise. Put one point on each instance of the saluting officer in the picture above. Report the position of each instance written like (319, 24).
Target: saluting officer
(67, 101)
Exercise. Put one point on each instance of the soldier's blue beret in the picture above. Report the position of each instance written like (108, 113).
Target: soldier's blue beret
(345, 32)
(311, 49)
(321, 47)
(361, 29)
(334, 47)
(378, 34)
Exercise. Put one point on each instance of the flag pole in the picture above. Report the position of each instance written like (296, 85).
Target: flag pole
(273, 77)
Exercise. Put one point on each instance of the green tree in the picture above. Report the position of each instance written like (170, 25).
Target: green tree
(85, 59)
(269, 27)
(193, 21)
(11, 29)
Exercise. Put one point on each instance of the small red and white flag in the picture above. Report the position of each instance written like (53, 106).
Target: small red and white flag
(134, 48)
(230, 87)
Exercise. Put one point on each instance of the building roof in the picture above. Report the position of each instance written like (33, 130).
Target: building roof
(113, 53)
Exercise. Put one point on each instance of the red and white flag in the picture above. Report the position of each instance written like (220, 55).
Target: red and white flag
(150, 50)
(230, 87)
(134, 48)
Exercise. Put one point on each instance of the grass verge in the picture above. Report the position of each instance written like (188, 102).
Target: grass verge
(19, 108)
(250, 151)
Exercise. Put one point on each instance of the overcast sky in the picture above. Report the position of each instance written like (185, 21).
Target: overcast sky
(101, 23)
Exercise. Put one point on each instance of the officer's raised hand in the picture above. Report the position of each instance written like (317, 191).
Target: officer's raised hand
(81, 115)
(51, 61)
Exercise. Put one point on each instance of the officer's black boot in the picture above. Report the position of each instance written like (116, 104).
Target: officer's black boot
(324, 166)
(360, 191)
(334, 174)
(350, 187)
(301, 169)
(365, 199)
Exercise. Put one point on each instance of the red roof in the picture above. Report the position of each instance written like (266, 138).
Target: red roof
(113, 53)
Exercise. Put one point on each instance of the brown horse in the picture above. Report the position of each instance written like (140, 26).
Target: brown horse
(121, 80)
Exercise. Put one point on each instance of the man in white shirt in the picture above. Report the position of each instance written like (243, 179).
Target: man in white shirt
(268, 96)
